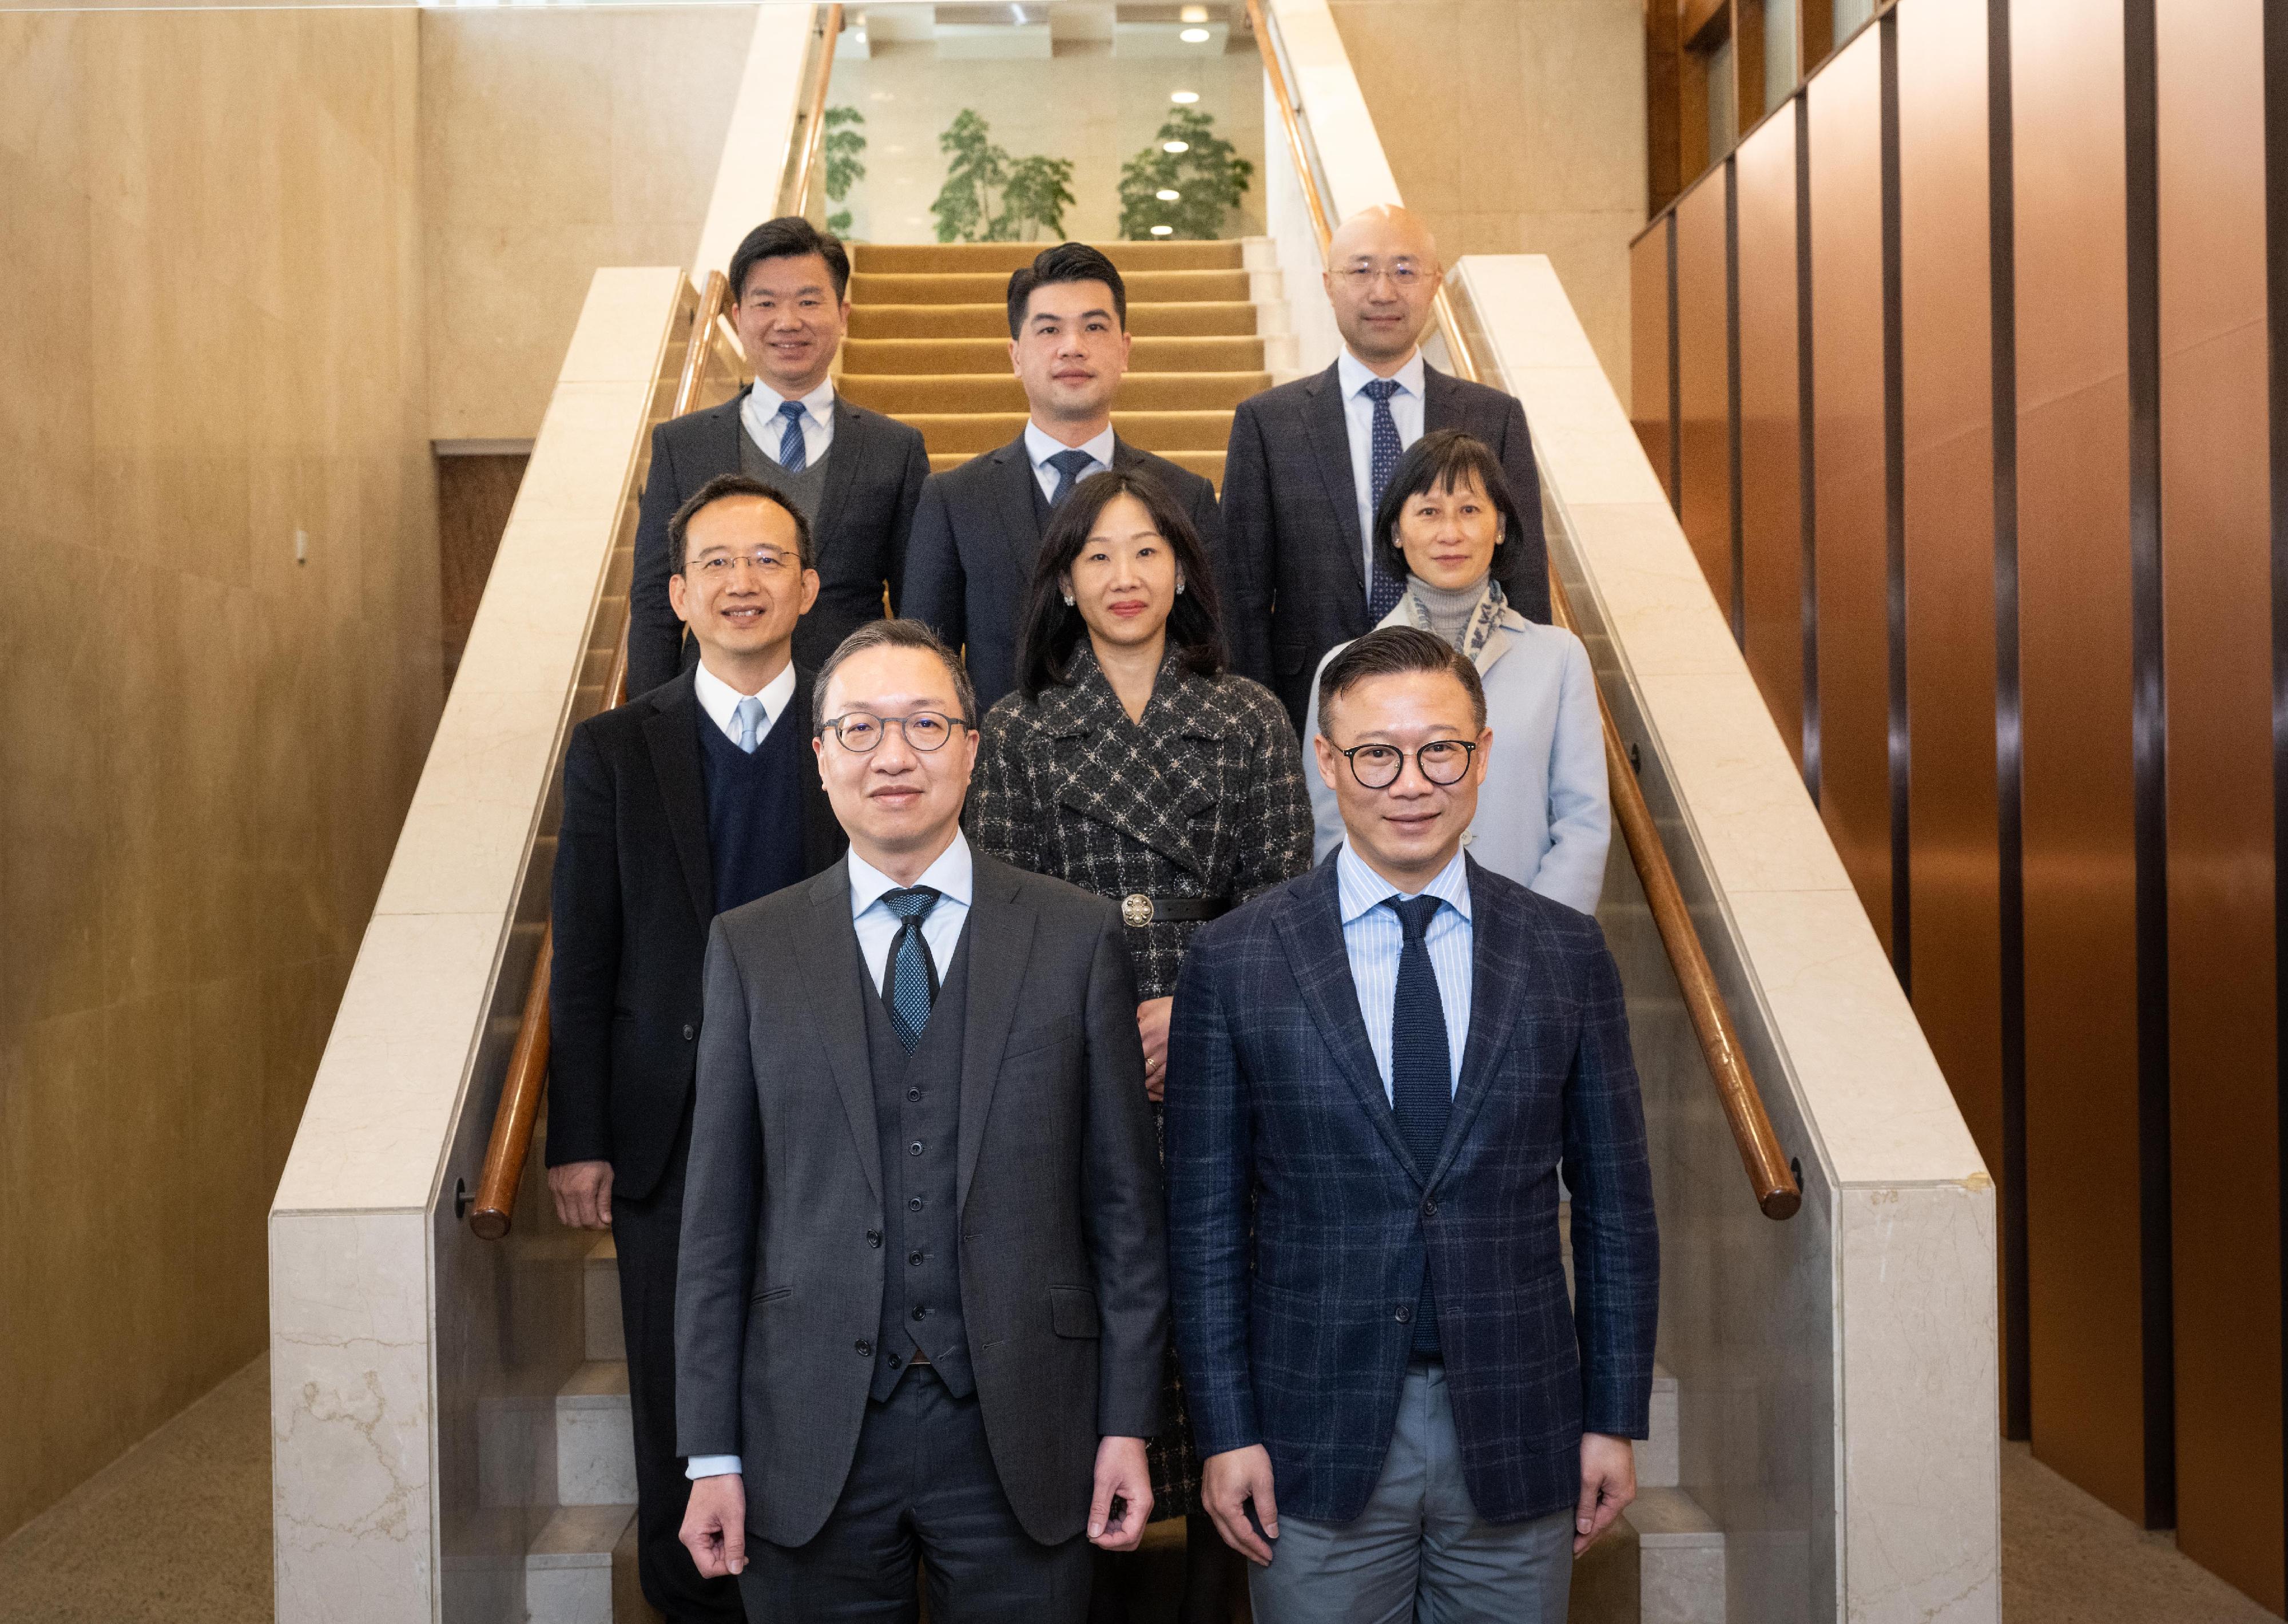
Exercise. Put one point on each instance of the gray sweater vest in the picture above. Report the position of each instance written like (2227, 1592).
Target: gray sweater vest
(804, 490)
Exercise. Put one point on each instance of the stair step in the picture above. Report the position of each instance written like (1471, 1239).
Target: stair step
(905, 394)
(1156, 430)
(928, 257)
(1197, 318)
(1607, 1579)
(567, 1569)
(908, 356)
(979, 287)
(1681, 1559)
(601, 1303)
(595, 1448)
(1208, 464)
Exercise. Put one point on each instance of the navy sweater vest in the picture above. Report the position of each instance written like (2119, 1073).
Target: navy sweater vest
(754, 811)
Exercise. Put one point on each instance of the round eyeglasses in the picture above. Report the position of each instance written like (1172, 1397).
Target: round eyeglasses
(861, 731)
(1442, 761)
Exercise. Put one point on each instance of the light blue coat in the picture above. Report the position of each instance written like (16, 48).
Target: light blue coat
(1544, 812)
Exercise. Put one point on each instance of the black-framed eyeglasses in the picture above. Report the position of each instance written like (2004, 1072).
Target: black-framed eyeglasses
(1442, 760)
(861, 731)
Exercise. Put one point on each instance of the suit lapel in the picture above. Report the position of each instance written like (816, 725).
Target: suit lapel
(1000, 943)
(672, 736)
(1117, 782)
(722, 434)
(1310, 922)
(1330, 434)
(836, 1018)
(1498, 978)
(1441, 402)
(1020, 525)
(844, 456)
(822, 833)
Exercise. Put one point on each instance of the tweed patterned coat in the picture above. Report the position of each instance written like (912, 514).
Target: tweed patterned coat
(1203, 797)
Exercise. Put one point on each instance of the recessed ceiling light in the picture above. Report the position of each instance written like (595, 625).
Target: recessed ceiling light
(1163, 231)
(1175, 147)
(1193, 13)
(1193, 36)
(1169, 195)
(1183, 99)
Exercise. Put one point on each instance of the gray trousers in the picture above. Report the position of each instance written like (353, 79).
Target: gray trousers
(1419, 1550)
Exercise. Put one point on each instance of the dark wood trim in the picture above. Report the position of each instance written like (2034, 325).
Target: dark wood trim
(1806, 446)
(1675, 386)
(1814, 35)
(1747, 64)
(2009, 751)
(1663, 160)
(2275, 302)
(1738, 611)
(2150, 756)
(1701, 25)
(1899, 740)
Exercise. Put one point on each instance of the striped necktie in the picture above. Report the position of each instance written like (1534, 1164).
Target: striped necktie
(911, 988)
(794, 455)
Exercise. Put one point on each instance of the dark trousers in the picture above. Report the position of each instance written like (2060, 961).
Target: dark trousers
(649, 1234)
(922, 1489)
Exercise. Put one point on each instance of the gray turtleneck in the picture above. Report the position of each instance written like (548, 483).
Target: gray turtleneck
(1449, 612)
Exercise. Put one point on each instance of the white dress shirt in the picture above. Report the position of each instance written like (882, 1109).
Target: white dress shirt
(951, 876)
(760, 414)
(720, 700)
(1358, 415)
(1373, 938)
(1040, 447)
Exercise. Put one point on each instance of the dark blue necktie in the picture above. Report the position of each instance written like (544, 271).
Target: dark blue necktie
(1382, 592)
(1069, 465)
(911, 986)
(1421, 1071)
(794, 455)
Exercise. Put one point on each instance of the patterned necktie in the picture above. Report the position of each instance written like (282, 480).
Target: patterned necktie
(1382, 592)
(794, 456)
(911, 986)
(1421, 1074)
(1068, 465)
(750, 718)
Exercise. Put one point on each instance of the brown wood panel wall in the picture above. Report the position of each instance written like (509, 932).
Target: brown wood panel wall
(2083, 1224)
(1949, 498)
(1703, 379)
(1850, 467)
(1651, 410)
(1771, 451)
(2216, 519)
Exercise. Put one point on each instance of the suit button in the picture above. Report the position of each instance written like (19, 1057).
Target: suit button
(865, 1347)
(893, 1360)
(873, 1237)
(914, 1149)
(913, 1094)
(914, 1258)
(914, 1203)
(1405, 1315)
(919, 1310)
(1429, 1209)
(689, 1032)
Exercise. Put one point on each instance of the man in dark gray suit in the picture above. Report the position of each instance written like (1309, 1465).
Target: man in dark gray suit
(855, 475)
(977, 534)
(1308, 462)
(923, 1296)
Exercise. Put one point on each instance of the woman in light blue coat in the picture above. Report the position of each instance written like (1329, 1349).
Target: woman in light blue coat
(1545, 816)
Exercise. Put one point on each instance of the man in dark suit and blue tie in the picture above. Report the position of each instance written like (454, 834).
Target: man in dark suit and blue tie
(1376, 1071)
(688, 801)
(977, 534)
(1308, 462)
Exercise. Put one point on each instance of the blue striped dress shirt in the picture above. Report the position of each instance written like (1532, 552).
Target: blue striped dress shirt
(1374, 938)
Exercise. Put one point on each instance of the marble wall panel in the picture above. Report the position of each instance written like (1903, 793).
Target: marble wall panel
(213, 339)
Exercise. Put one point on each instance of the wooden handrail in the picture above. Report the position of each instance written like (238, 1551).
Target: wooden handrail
(491, 1211)
(1774, 1183)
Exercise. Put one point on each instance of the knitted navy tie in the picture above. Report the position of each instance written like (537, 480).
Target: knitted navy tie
(1069, 465)
(794, 455)
(1382, 592)
(911, 988)
(1421, 1073)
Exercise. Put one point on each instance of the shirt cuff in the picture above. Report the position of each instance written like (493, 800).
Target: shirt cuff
(713, 1466)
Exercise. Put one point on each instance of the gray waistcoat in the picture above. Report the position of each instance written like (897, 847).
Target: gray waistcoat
(918, 1108)
(804, 490)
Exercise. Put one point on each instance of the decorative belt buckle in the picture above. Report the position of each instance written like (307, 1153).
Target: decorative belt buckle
(1136, 910)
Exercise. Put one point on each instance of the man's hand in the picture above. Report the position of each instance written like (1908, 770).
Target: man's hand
(1609, 1482)
(1227, 1483)
(1120, 1470)
(584, 1194)
(715, 1525)
(1152, 1026)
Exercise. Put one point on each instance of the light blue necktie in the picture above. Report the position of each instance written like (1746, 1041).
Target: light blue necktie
(1068, 465)
(1383, 592)
(794, 456)
(912, 982)
(750, 718)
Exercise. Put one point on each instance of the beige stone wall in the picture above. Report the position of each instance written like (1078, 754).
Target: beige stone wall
(554, 140)
(210, 338)
(1517, 127)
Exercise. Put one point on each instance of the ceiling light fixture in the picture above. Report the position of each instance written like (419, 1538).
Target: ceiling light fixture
(1193, 36)
(1175, 147)
(1169, 195)
(1163, 231)
(1193, 13)
(1183, 99)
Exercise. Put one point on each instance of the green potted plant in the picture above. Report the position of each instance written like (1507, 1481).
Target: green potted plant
(990, 197)
(842, 148)
(1185, 183)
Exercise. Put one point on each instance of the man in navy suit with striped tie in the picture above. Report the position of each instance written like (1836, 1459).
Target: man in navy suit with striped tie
(1375, 1073)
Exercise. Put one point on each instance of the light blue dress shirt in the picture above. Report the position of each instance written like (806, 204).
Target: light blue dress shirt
(952, 877)
(1358, 417)
(1374, 938)
(1040, 446)
(759, 414)
(720, 700)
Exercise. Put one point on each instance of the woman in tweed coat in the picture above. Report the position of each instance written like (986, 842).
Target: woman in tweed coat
(1129, 762)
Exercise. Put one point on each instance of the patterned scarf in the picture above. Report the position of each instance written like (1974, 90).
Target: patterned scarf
(1479, 631)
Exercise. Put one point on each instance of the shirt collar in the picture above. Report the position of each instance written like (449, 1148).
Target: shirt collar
(818, 405)
(1040, 446)
(951, 875)
(1362, 890)
(1354, 376)
(720, 700)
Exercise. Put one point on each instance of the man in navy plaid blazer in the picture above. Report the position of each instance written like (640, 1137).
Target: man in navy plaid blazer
(1374, 1073)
